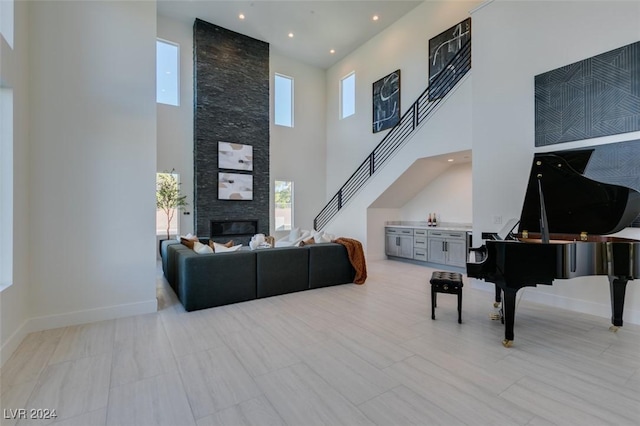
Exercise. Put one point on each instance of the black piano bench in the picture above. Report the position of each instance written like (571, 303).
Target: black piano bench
(446, 282)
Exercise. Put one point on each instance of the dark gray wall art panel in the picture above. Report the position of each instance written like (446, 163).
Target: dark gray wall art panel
(599, 96)
(231, 84)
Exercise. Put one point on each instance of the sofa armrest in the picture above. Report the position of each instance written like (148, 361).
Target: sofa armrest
(208, 280)
(329, 265)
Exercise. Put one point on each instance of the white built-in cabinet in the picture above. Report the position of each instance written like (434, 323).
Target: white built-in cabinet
(427, 245)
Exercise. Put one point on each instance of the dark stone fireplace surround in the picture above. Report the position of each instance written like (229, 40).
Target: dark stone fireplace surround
(231, 96)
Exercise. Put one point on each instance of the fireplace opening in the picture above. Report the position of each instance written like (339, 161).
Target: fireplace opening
(233, 228)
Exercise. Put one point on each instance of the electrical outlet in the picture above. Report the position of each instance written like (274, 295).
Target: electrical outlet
(497, 220)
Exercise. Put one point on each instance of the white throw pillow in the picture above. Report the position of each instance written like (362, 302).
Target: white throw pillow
(221, 248)
(294, 234)
(200, 248)
(321, 237)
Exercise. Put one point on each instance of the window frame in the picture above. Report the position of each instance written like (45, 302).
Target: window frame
(352, 74)
(291, 102)
(177, 72)
(291, 205)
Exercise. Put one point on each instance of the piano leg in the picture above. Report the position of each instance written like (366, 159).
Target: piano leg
(498, 298)
(617, 287)
(509, 310)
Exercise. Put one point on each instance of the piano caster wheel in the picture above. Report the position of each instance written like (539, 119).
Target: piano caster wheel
(507, 343)
(496, 304)
(494, 316)
(614, 328)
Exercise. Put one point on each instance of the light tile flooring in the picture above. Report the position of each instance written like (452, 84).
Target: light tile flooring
(343, 355)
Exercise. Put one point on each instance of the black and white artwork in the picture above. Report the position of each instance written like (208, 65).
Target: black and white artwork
(235, 156)
(599, 96)
(442, 48)
(386, 102)
(235, 186)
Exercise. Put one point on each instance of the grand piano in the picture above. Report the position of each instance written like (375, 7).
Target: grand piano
(562, 234)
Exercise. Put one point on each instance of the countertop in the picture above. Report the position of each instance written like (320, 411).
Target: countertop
(445, 226)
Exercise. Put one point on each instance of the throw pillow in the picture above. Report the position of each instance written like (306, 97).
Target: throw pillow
(294, 234)
(221, 248)
(321, 237)
(307, 242)
(200, 248)
(227, 244)
(188, 242)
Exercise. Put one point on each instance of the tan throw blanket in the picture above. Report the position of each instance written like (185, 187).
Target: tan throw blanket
(356, 257)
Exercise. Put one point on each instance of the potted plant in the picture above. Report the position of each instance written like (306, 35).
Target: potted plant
(168, 196)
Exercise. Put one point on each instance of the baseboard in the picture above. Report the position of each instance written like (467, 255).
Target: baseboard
(12, 343)
(92, 315)
(583, 306)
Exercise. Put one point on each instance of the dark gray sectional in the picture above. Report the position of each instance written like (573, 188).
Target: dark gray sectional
(206, 280)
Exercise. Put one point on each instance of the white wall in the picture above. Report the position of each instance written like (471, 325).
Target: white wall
(14, 310)
(299, 153)
(437, 136)
(513, 42)
(92, 161)
(404, 46)
(449, 196)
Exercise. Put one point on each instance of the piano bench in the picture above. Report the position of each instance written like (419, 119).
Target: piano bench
(446, 282)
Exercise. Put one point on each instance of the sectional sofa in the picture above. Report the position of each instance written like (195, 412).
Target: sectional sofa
(206, 280)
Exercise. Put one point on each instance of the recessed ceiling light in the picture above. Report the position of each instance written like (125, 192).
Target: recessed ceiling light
(450, 160)
(290, 35)
(332, 51)
(241, 16)
(375, 17)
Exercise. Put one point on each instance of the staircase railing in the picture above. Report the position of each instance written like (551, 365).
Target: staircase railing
(421, 109)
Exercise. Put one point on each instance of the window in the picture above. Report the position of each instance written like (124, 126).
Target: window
(167, 192)
(6, 21)
(348, 95)
(6, 187)
(284, 205)
(283, 100)
(167, 73)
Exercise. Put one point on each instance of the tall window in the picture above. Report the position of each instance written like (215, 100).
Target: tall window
(6, 187)
(167, 222)
(348, 95)
(6, 21)
(284, 205)
(283, 100)
(167, 73)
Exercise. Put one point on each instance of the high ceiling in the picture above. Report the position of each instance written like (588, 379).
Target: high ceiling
(317, 26)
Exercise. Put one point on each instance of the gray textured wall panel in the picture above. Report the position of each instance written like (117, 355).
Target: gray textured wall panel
(599, 96)
(231, 84)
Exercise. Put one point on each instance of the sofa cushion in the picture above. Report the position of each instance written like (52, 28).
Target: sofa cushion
(208, 280)
(282, 270)
(172, 264)
(329, 265)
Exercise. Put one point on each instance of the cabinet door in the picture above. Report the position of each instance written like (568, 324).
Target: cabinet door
(435, 251)
(406, 247)
(391, 246)
(456, 253)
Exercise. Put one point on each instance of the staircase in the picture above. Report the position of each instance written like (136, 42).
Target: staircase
(410, 121)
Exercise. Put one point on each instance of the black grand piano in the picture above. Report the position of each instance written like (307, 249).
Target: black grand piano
(562, 234)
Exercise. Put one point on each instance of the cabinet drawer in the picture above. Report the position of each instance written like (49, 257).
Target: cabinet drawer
(420, 254)
(420, 232)
(399, 231)
(420, 242)
(458, 235)
(436, 233)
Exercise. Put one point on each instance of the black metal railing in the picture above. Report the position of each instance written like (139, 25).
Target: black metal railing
(421, 109)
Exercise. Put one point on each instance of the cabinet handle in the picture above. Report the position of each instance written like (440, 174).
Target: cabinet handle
(446, 246)
(443, 246)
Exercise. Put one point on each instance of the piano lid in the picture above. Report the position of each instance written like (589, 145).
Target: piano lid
(575, 203)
